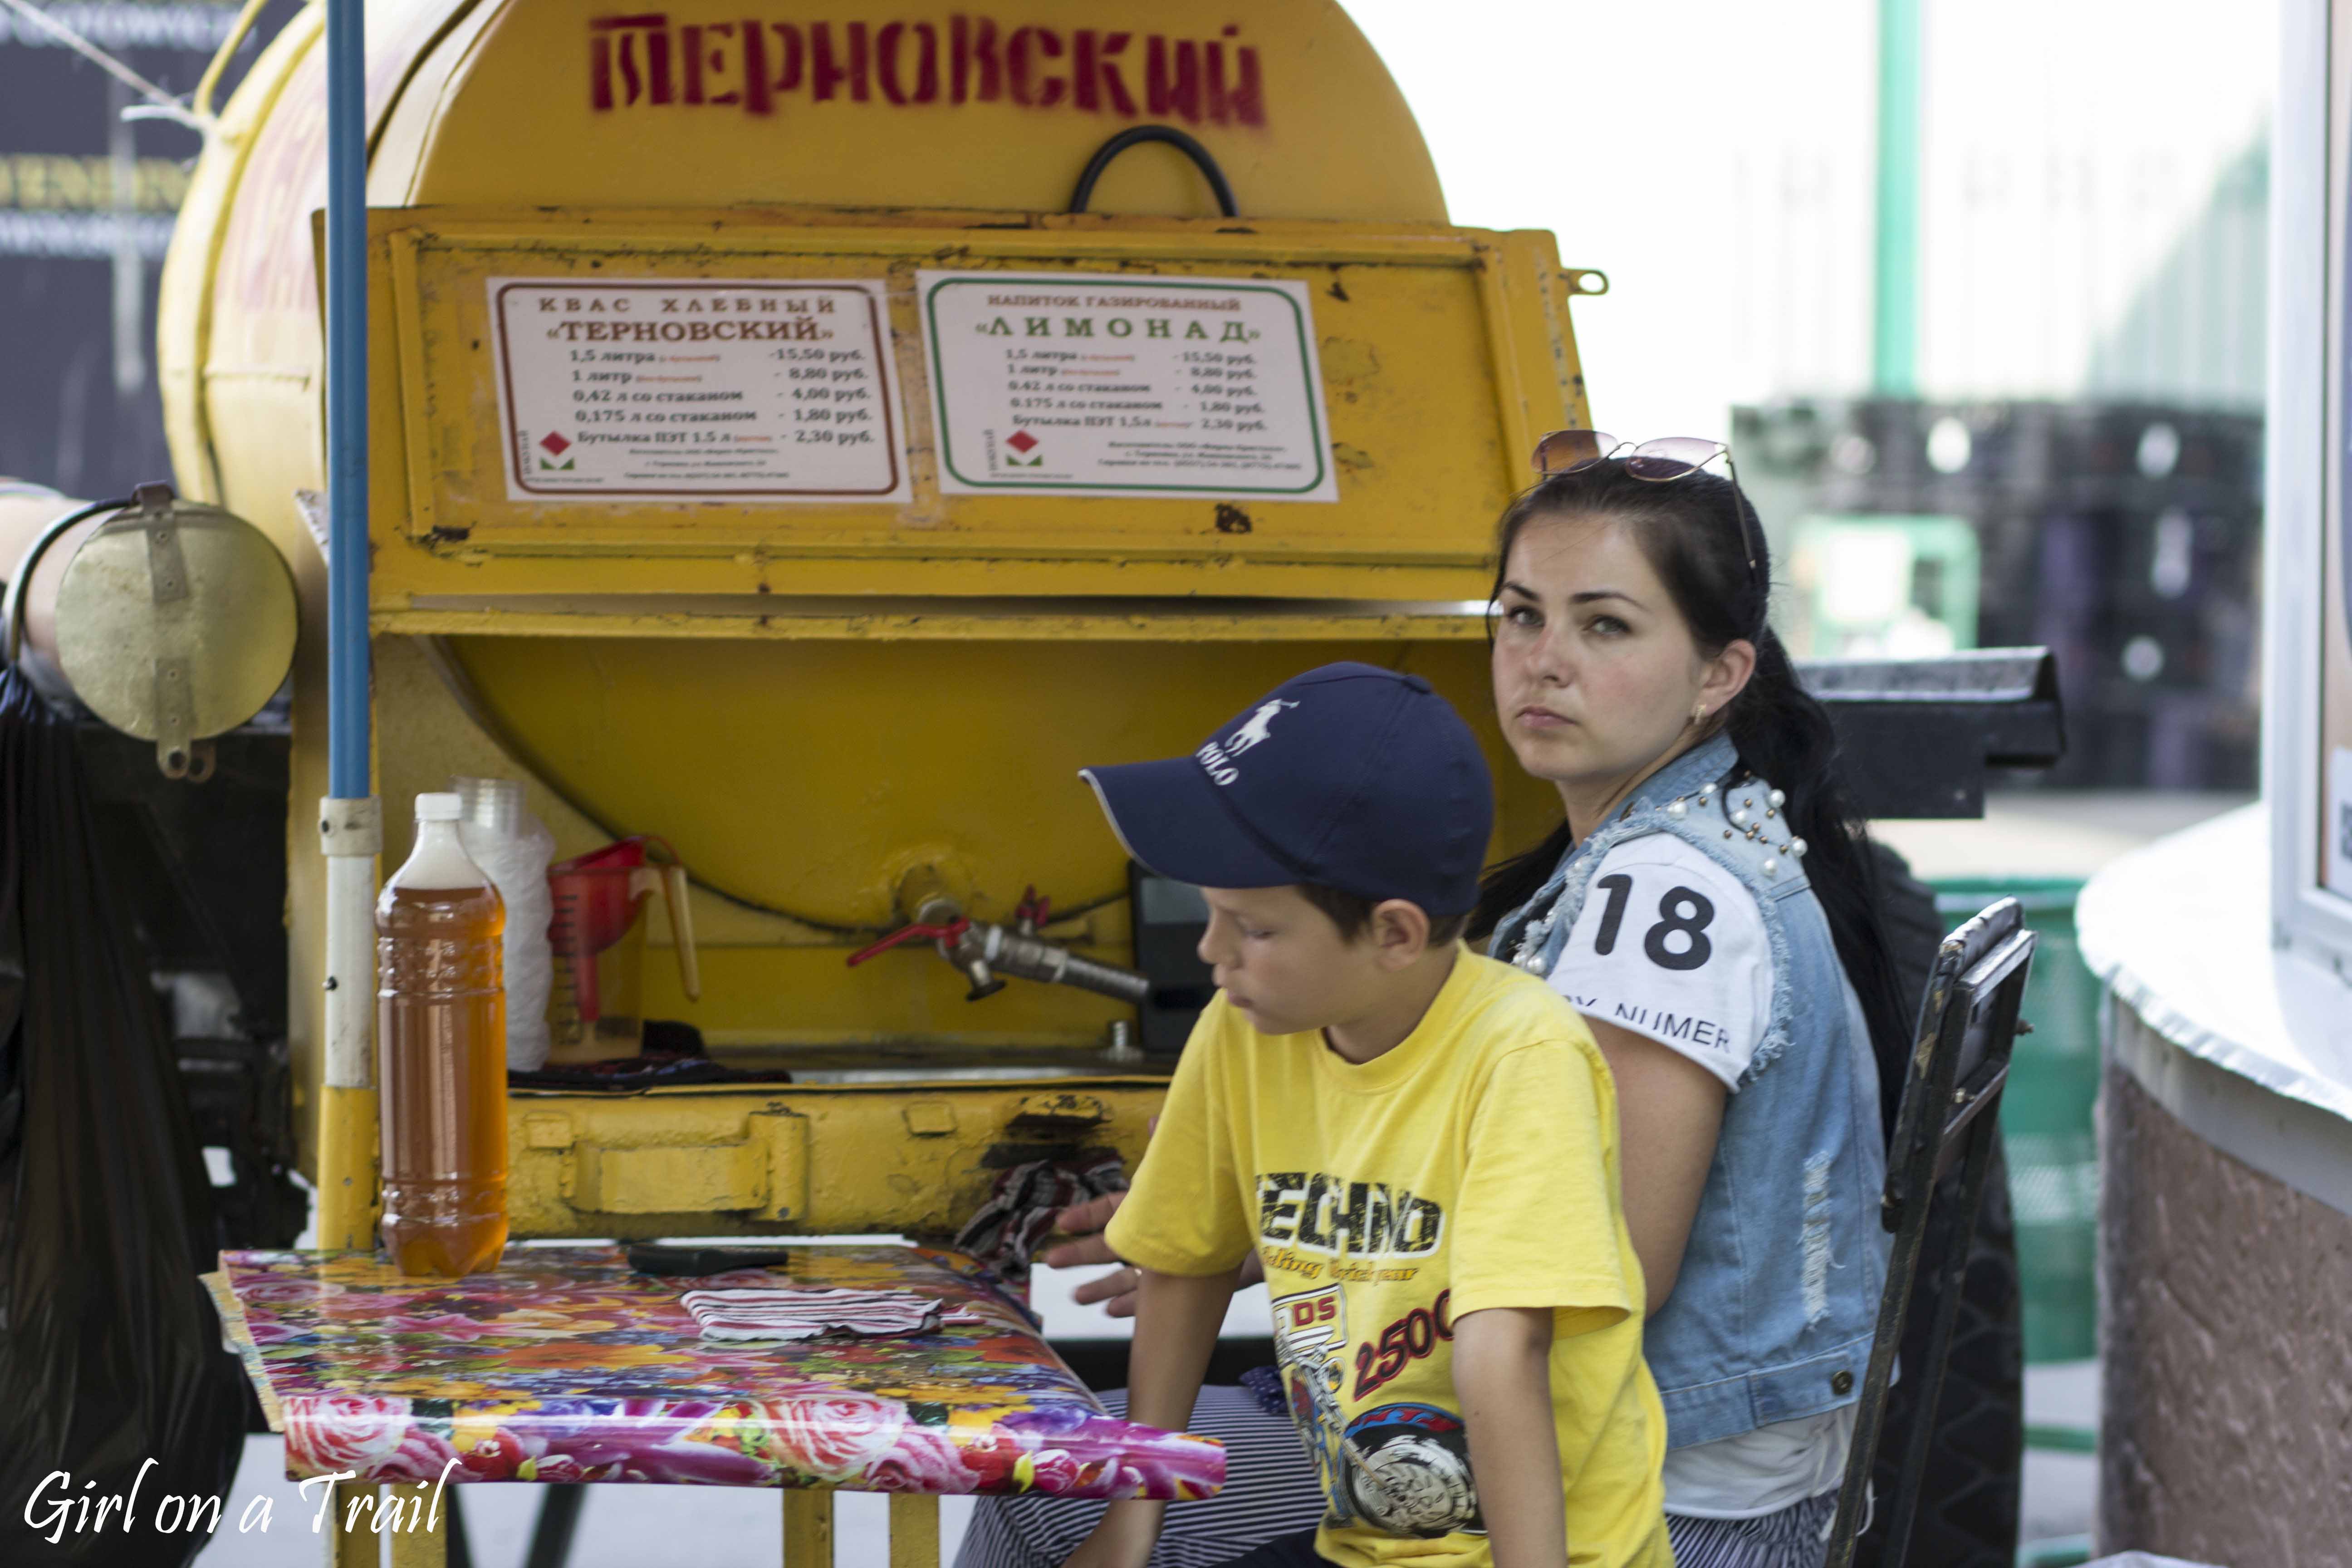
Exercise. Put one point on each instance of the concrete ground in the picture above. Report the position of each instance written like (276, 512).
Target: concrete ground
(2061, 1491)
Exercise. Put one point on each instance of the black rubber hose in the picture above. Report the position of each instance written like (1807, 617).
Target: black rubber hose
(12, 609)
(1135, 136)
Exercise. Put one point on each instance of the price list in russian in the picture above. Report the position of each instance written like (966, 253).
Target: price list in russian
(1092, 385)
(765, 390)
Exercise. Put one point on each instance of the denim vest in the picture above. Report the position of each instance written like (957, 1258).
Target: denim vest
(1772, 1314)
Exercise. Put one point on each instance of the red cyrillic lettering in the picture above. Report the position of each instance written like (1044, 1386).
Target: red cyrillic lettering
(927, 62)
(824, 76)
(759, 93)
(654, 83)
(1092, 72)
(857, 59)
(1176, 91)
(792, 55)
(972, 44)
(698, 59)
(1030, 94)
(1248, 98)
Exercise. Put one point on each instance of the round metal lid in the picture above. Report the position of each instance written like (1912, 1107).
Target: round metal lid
(175, 620)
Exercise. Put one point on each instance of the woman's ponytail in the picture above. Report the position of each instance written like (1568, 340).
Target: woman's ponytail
(1784, 736)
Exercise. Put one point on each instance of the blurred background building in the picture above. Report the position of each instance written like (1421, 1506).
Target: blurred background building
(2063, 446)
(87, 203)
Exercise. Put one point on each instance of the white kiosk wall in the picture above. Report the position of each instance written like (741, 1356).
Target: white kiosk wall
(2308, 710)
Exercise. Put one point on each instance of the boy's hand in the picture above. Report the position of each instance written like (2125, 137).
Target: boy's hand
(1085, 1221)
(1115, 1290)
(1124, 1538)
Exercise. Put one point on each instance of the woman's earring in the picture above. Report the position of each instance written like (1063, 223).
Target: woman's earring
(1699, 715)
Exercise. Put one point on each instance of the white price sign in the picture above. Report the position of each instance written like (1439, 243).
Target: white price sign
(1086, 384)
(697, 391)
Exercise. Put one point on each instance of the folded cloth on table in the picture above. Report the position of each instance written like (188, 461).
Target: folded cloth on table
(1005, 1231)
(779, 1314)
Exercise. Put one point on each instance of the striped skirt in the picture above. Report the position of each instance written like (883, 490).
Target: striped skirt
(1796, 1537)
(1271, 1491)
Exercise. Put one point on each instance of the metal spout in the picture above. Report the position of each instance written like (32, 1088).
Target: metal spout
(987, 953)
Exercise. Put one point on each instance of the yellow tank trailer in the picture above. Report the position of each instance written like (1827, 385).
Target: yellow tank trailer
(763, 457)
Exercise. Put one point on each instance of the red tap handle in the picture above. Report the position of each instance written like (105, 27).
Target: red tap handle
(1033, 907)
(916, 933)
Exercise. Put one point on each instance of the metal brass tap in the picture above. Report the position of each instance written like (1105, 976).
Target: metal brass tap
(985, 953)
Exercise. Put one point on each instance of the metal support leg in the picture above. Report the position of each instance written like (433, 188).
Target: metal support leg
(808, 1530)
(914, 1531)
(559, 1519)
(420, 1533)
(351, 1531)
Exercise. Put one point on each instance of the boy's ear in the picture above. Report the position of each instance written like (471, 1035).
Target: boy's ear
(1399, 931)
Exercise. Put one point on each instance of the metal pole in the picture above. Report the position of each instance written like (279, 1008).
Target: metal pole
(347, 410)
(1894, 271)
(350, 820)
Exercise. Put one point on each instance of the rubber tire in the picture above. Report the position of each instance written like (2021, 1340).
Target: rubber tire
(1970, 1494)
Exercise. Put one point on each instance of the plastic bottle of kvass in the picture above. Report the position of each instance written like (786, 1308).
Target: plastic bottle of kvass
(441, 1054)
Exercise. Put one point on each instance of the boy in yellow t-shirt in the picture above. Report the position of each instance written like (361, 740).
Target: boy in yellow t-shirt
(1421, 1145)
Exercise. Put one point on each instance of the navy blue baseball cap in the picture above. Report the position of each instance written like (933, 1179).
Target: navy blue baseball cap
(1350, 776)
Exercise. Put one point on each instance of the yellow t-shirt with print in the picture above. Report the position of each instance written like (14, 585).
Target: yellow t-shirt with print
(1476, 1165)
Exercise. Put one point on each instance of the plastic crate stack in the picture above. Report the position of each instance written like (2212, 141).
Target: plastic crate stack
(2125, 537)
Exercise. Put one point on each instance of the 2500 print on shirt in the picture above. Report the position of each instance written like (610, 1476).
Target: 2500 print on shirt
(1402, 1467)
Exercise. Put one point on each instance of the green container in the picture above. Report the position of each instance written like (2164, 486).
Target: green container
(2045, 1116)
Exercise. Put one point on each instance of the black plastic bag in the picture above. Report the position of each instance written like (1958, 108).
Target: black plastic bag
(109, 1348)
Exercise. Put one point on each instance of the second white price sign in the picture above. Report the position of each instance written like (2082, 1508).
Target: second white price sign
(1087, 384)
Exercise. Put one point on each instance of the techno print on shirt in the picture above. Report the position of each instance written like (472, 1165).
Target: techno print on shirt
(1400, 1467)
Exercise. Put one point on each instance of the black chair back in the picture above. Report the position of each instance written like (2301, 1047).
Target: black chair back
(1935, 1183)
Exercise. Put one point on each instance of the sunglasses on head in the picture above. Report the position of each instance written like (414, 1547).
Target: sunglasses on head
(1661, 461)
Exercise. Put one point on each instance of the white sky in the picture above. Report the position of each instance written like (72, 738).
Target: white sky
(1715, 159)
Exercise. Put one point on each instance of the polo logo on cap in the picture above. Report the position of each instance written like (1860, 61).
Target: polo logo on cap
(1218, 758)
(1257, 728)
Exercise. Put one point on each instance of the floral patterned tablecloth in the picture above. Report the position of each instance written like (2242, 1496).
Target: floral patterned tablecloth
(565, 1365)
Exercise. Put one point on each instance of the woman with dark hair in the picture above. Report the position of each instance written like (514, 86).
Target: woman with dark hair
(1708, 902)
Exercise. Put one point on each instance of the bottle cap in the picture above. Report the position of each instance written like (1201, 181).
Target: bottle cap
(439, 807)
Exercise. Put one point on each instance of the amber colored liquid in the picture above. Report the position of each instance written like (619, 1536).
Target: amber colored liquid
(441, 1073)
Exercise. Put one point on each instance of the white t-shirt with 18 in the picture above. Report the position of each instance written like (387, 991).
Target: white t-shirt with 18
(1671, 946)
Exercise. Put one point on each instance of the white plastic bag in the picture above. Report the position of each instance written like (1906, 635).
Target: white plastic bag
(507, 841)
